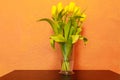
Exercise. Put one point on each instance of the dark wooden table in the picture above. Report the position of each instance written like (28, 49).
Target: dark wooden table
(54, 75)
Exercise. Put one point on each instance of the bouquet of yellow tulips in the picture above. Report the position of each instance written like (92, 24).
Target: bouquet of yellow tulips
(66, 23)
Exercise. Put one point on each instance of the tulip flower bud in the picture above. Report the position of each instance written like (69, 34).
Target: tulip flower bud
(66, 9)
(59, 7)
(77, 11)
(71, 6)
(54, 9)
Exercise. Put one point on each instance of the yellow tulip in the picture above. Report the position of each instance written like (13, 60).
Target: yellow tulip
(66, 8)
(83, 17)
(54, 8)
(71, 6)
(59, 7)
(77, 11)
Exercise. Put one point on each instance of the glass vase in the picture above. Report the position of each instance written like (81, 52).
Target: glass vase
(67, 64)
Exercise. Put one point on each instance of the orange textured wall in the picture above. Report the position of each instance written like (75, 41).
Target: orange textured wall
(24, 43)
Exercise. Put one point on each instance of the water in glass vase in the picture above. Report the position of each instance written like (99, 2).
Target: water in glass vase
(66, 67)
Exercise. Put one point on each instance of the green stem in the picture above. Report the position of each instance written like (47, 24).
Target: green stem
(65, 66)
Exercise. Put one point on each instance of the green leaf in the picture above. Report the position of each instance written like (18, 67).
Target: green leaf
(74, 24)
(68, 46)
(52, 42)
(83, 11)
(60, 29)
(61, 14)
(78, 17)
(58, 38)
(85, 40)
(67, 29)
(72, 30)
(53, 24)
(78, 30)
(75, 38)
